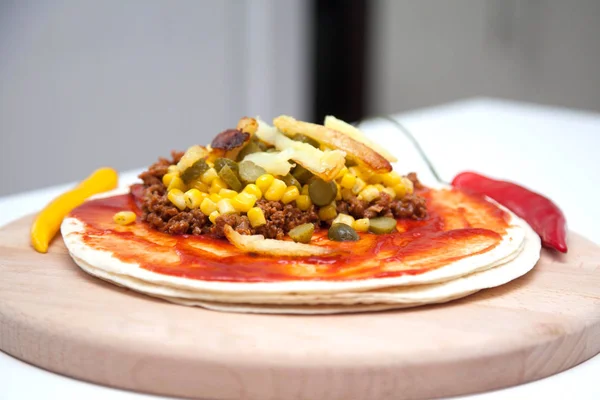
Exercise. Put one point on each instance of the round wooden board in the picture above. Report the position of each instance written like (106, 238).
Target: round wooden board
(57, 317)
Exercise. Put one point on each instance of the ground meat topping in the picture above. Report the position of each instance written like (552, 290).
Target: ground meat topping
(280, 218)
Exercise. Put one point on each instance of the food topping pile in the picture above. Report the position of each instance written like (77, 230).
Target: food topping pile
(280, 181)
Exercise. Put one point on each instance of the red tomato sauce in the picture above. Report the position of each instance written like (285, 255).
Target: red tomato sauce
(459, 225)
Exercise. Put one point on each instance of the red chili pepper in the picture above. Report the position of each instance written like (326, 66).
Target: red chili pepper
(546, 219)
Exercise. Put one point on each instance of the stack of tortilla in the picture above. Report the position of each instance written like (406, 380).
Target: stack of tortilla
(514, 256)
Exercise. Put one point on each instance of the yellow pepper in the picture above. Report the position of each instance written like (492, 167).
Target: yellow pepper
(47, 223)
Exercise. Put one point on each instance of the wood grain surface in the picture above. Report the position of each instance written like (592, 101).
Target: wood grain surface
(57, 317)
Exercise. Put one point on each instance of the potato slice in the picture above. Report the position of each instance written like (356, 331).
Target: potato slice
(336, 124)
(324, 164)
(191, 155)
(274, 163)
(248, 125)
(358, 152)
(229, 143)
(258, 244)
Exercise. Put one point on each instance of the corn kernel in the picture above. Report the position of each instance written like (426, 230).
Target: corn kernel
(390, 192)
(167, 178)
(303, 202)
(227, 193)
(391, 179)
(376, 179)
(176, 183)
(256, 217)
(359, 185)
(342, 172)
(304, 190)
(176, 197)
(193, 198)
(338, 194)
(410, 187)
(210, 164)
(215, 197)
(264, 181)
(347, 194)
(403, 188)
(225, 207)
(291, 193)
(327, 212)
(209, 176)
(343, 219)
(275, 191)
(354, 171)
(379, 187)
(369, 193)
(360, 173)
(361, 225)
(173, 169)
(213, 216)
(124, 217)
(207, 206)
(348, 181)
(254, 190)
(198, 184)
(217, 185)
(243, 202)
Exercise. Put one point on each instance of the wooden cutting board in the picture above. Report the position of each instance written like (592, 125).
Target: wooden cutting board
(57, 317)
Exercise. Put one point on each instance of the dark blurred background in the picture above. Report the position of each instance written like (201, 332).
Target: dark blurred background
(86, 83)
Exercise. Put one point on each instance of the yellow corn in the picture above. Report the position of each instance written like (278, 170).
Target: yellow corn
(379, 187)
(243, 202)
(361, 225)
(264, 181)
(215, 197)
(338, 194)
(176, 197)
(193, 198)
(403, 188)
(124, 217)
(291, 193)
(328, 212)
(227, 193)
(359, 185)
(254, 190)
(342, 173)
(348, 181)
(225, 207)
(343, 219)
(213, 216)
(167, 178)
(376, 179)
(209, 176)
(390, 192)
(275, 191)
(360, 173)
(198, 184)
(217, 185)
(173, 169)
(256, 217)
(303, 202)
(208, 206)
(304, 190)
(369, 193)
(176, 183)
(410, 187)
(391, 178)
(347, 194)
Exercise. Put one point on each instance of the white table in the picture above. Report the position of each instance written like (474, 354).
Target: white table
(551, 150)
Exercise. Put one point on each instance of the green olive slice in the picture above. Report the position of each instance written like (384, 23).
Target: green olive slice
(322, 193)
(342, 233)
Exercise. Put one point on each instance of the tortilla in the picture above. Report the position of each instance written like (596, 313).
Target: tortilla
(381, 299)
(87, 238)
